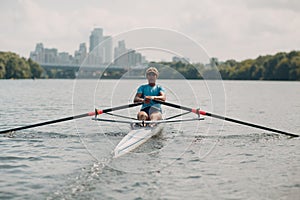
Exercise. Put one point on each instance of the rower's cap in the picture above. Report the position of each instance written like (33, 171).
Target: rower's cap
(152, 70)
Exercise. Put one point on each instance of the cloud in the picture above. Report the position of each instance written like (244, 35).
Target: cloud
(228, 29)
(290, 5)
(243, 29)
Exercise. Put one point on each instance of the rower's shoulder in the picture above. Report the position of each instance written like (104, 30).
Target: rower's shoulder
(142, 86)
(160, 87)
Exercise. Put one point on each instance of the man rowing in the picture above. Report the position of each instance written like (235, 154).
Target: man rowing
(146, 93)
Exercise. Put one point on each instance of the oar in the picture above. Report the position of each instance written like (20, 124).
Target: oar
(201, 112)
(96, 112)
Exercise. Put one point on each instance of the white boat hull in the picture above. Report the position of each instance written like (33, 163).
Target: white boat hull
(135, 138)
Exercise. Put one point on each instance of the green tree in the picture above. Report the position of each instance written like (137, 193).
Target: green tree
(35, 68)
(294, 73)
(256, 72)
(17, 68)
(12, 66)
(2, 70)
(281, 70)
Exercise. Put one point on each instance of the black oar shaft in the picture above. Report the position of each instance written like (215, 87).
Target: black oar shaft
(70, 118)
(42, 123)
(225, 118)
(251, 124)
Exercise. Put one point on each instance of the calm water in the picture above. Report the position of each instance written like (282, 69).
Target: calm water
(195, 160)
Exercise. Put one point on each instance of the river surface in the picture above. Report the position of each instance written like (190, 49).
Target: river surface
(208, 159)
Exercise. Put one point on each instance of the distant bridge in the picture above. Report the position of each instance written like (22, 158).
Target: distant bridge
(89, 71)
(75, 67)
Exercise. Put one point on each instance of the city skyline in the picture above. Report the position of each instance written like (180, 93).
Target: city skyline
(100, 52)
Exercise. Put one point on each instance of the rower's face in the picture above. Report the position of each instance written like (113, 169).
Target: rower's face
(151, 77)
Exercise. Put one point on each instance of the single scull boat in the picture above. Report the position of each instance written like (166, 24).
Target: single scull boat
(141, 132)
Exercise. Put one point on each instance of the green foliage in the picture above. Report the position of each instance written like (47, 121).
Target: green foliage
(14, 67)
(2, 70)
(36, 69)
(282, 66)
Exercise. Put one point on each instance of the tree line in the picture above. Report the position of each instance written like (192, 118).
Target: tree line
(14, 67)
(281, 66)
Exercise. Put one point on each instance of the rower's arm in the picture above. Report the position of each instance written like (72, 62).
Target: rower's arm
(138, 98)
(161, 97)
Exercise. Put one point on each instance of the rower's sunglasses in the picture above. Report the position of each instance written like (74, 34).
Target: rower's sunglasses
(151, 74)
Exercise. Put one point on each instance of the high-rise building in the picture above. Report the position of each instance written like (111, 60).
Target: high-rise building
(120, 57)
(107, 53)
(126, 57)
(82, 48)
(100, 51)
(95, 38)
(38, 54)
(81, 54)
(50, 56)
(44, 55)
(39, 48)
(96, 51)
(64, 58)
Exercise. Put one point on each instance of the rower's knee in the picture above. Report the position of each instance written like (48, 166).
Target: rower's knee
(142, 116)
(156, 116)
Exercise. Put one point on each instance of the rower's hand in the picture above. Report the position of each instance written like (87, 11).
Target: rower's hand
(148, 99)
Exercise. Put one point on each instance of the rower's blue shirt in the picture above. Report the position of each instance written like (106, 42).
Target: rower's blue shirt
(147, 90)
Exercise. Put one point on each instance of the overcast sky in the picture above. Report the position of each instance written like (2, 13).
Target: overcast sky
(227, 29)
